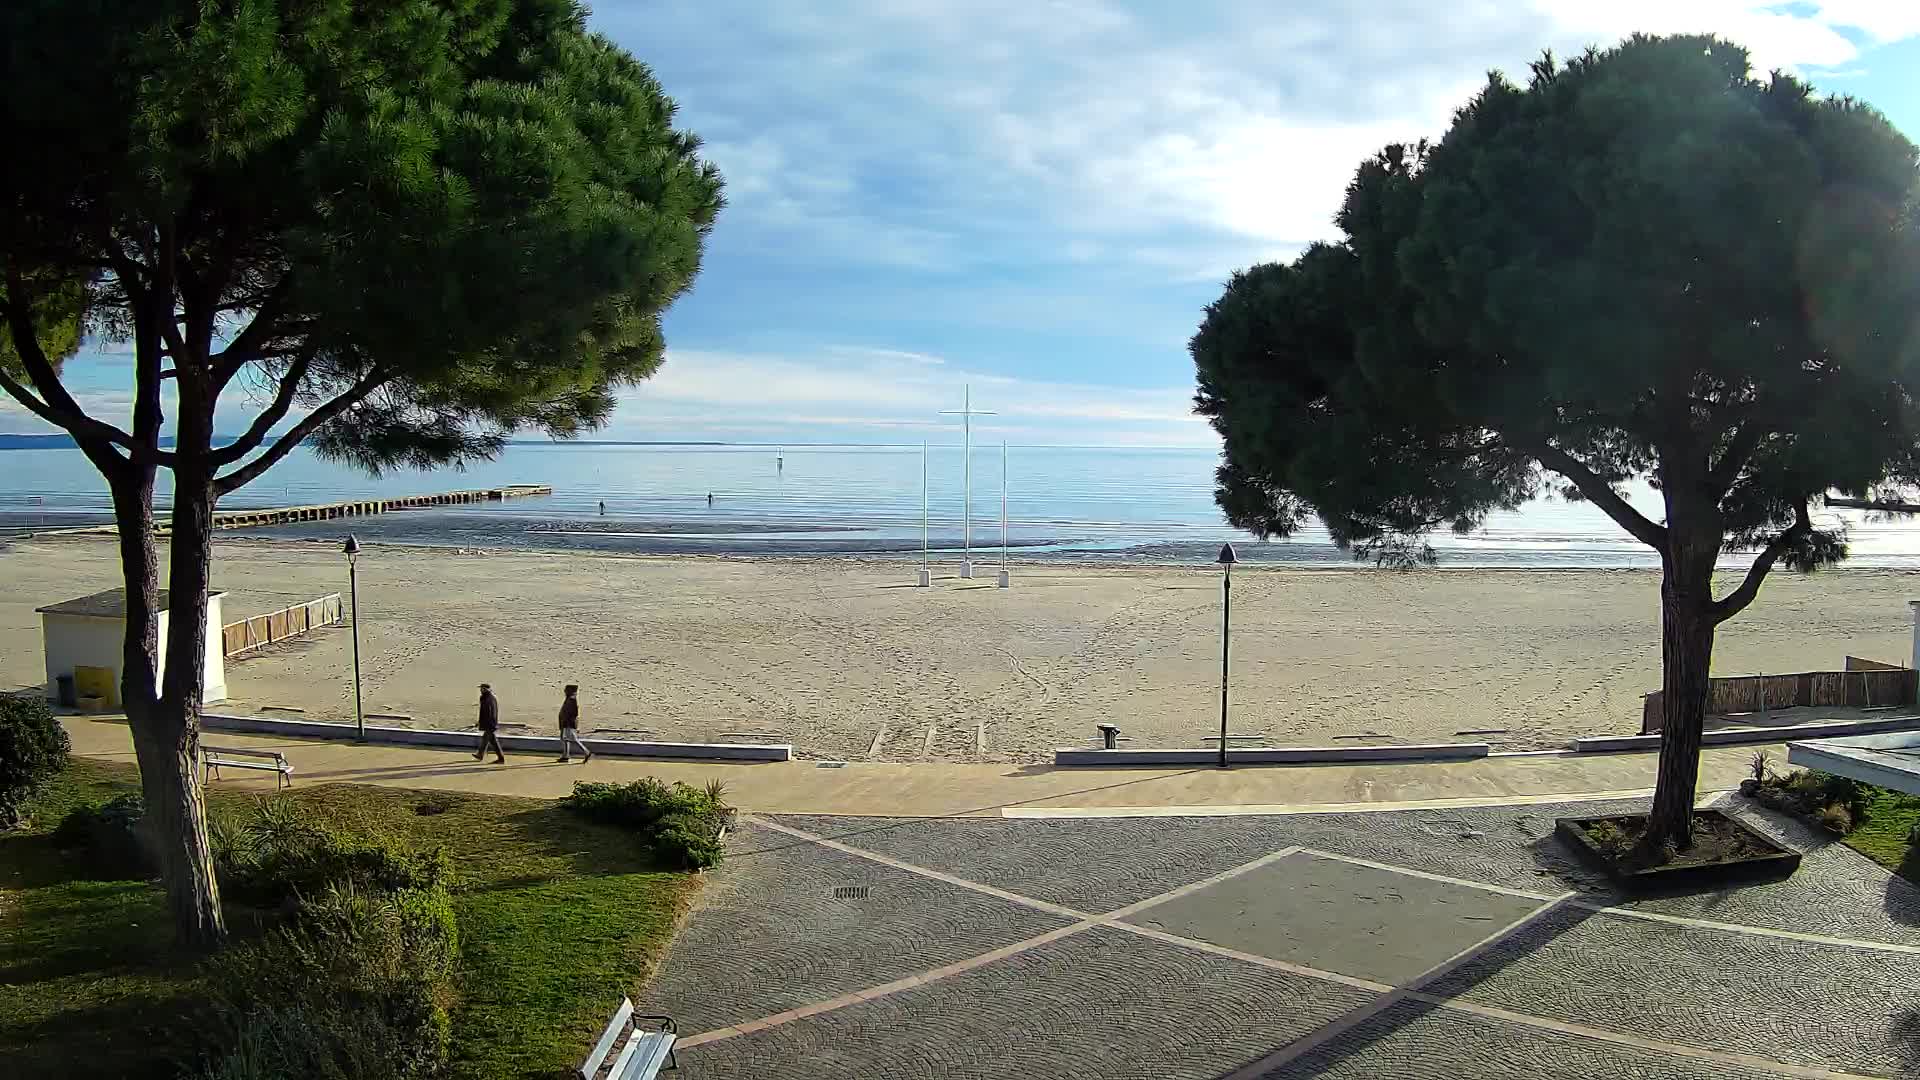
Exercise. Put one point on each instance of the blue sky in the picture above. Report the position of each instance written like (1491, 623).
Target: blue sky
(1038, 197)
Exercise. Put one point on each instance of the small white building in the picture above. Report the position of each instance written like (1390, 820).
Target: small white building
(91, 632)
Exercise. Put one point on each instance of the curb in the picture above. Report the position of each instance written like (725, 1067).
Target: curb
(1304, 755)
(469, 740)
(1736, 736)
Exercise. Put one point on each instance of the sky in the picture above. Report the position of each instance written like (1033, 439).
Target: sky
(1037, 198)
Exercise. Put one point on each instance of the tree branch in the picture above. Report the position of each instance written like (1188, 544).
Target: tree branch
(53, 404)
(312, 422)
(1736, 601)
(1746, 439)
(275, 412)
(244, 349)
(1601, 494)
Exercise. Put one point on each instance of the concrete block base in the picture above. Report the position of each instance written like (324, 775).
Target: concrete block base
(1270, 755)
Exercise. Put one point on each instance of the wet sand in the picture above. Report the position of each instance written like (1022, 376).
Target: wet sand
(846, 659)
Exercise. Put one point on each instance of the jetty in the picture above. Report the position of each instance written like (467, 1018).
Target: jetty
(1891, 507)
(282, 515)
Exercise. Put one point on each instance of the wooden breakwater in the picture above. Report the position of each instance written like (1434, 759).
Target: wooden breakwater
(283, 515)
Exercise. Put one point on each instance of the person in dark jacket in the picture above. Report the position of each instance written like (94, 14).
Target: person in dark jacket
(489, 725)
(570, 728)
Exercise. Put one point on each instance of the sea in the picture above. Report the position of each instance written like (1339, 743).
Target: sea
(1027, 504)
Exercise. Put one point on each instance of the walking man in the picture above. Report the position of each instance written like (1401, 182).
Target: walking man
(489, 725)
(570, 728)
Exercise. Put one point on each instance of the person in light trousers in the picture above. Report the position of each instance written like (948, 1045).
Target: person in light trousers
(570, 728)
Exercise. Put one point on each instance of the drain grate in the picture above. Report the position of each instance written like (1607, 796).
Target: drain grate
(851, 892)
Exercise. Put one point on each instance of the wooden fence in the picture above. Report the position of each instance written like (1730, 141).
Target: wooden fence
(1859, 687)
(250, 634)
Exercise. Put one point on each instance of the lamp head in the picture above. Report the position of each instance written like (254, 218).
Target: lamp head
(351, 547)
(1227, 557)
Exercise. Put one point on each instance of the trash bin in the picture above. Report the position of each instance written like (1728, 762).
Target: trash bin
(64, 691)
(1109, 735)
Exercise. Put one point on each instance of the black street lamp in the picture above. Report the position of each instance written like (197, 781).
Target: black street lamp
(1226, 561)
(352, 548)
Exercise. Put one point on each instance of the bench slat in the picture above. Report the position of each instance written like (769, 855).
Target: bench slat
(651, 1049)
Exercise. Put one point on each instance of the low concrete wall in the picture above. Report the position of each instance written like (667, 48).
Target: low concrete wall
(1267, 755)
(470, 739)
(1731, 736)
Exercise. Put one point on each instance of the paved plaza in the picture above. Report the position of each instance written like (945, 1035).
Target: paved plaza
(1422, 943)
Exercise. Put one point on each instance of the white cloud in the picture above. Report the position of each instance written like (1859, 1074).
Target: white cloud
(885, 395)
(927, 134)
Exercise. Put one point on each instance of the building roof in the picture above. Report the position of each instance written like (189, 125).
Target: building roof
(1890, 761)
(111, 604)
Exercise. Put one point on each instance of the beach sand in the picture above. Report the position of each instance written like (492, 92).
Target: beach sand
(845, 659)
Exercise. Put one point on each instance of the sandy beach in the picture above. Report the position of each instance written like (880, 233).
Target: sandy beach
(846, 659)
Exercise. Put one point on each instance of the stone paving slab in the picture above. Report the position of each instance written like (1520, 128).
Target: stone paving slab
(1101, 1003)
(1789, 1001)
(1340, 917)
(1417, 1041)
(767, 934)
(1093, 865)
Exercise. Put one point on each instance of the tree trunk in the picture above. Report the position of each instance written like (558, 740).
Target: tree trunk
(1686, 658)
(169, 761)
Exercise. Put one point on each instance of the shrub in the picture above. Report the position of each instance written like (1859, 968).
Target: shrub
(358, 986)
(1610, 838)
(680, 823)
(278, 856)
(1835, 818)
(1760, 766)
(33, 748)
(113, 834)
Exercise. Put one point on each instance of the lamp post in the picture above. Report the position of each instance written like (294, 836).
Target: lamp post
(352, 548)
(1226, 560)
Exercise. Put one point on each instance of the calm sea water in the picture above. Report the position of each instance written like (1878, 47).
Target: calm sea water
(1062, 503)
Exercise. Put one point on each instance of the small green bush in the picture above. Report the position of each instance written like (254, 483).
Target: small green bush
(113, 835)
(277, 856)
(358, 986)
(33, 749)
(681, 824)
(1835, 818)
(1609, 838)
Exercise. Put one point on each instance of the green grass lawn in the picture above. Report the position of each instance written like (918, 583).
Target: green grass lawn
(558, 918)
(1883, 837)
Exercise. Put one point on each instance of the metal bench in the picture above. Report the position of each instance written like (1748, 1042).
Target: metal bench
(234, 757)
(642, 1056)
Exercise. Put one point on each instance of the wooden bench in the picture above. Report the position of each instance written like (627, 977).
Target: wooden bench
(233, 757)
(642, 1056)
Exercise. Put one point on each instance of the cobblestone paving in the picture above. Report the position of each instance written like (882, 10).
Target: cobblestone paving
(1791, 1001)
(1416, 1041)
(1099, 1004)
(769, 935)
(1215, 991)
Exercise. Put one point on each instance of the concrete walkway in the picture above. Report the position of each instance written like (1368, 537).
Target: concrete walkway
(1419, 943)
(985, 790)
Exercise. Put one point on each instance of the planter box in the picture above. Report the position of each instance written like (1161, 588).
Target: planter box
(1777, 862)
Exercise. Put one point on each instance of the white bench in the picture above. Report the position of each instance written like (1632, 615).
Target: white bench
(643, 1055)
(234, 757)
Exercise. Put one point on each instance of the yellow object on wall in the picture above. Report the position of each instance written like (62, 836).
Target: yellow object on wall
(96, 682)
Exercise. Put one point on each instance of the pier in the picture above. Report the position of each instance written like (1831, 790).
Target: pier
(283, 515)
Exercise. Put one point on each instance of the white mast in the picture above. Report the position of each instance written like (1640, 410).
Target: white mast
(967, 412)
(1006, 576)
(926, 551)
